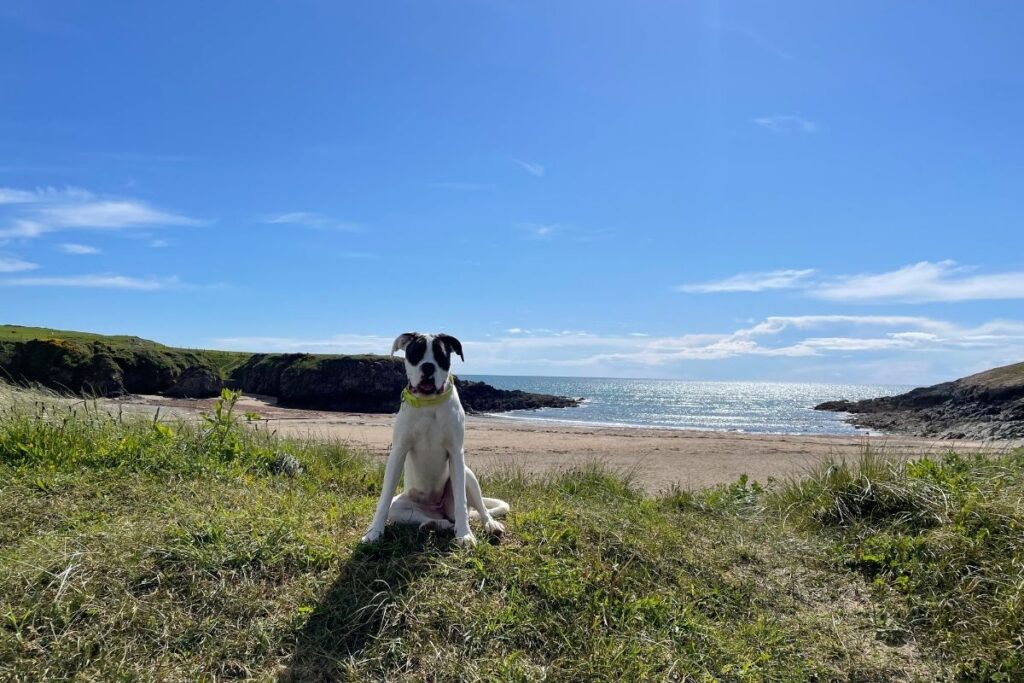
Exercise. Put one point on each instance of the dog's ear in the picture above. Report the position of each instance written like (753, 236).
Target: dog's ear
(453, 344)
(403, 340)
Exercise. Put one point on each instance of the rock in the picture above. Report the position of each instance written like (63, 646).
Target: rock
(479, 397)
(195, 382)
(287, 465)
(364, 384)
(988, 405)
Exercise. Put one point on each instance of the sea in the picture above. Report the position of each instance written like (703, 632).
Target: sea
(752, 407)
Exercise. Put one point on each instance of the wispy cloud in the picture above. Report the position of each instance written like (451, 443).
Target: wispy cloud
(923, 282)
(531, 167)
(99, 281)
(111, 215)
(9, 195)
(780, 337)
(77, 249)
(751, 282)
(786, 123)
(10, 264)
(310, 219)
(540, 231)
(45, 210)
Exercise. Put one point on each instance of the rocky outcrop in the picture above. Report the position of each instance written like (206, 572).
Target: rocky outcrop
(96, 368)
(989, 405)
(99, 365)
(479, 397)
(364, 384)
(359, 384)
(196, 382)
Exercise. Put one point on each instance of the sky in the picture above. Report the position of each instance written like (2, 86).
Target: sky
(787, 191)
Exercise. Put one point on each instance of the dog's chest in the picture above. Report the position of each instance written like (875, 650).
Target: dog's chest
(429, 432)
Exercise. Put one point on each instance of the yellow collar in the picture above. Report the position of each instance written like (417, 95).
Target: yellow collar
(429, 401)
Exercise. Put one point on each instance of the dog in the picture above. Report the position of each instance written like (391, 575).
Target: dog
(428, 444)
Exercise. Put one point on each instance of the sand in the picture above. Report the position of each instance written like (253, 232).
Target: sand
(657, 458)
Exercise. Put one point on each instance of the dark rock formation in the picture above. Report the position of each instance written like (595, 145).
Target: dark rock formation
(99, 365)
(196, 382)
(989, 405)
(364, 384)
(95, 368)
(479, 397)
(360, 384)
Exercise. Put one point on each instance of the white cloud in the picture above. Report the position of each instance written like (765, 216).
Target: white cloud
(778, 337)
(751, 282)
(540, 231)
(786, 123)
(101, 281)
(46, 210)
(10, 195)
(342, 343)
(530, 167)
(23, 229)
(113, 215)
(77, 249)
(310, 219)
(15, 265)
(923, 282)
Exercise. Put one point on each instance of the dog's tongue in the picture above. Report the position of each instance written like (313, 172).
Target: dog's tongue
(425, 387)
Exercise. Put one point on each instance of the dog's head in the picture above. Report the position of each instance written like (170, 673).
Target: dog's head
(428, 359)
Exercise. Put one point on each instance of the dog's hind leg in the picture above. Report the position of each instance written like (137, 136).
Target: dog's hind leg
(497, 508)
(405, 511)
(483, 506)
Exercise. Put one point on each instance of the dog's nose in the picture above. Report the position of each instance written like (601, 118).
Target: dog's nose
(427, 369)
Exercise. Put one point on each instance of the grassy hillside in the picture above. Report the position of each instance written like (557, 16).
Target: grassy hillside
(121, 346)
(998, 378)
(138, 550)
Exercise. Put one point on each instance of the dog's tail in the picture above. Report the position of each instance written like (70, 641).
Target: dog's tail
(497, 508)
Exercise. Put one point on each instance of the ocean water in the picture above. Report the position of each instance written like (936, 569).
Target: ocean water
(755, 407)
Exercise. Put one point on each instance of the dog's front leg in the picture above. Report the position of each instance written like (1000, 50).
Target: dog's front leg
(392, 472)
(457, 471)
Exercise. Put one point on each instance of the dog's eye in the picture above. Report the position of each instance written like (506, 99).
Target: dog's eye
(441, 354)
(415, 351)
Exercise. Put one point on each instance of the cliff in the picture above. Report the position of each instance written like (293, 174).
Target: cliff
(100, 365)
(988, 405)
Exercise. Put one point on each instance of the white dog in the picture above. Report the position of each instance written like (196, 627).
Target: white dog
(428, 443)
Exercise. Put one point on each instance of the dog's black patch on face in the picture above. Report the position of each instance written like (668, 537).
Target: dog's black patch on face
(416, 349)
(441, 354)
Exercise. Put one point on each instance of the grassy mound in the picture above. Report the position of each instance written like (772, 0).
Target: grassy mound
(138, 550)
(101, 364)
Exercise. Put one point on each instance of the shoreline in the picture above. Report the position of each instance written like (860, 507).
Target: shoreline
(857, 430)
(657, 458)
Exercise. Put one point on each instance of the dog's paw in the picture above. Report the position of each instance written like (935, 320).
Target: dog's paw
(467, 540)
(495, 528)
(372, 536)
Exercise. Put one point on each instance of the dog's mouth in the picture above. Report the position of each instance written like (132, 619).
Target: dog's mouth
(425, 387)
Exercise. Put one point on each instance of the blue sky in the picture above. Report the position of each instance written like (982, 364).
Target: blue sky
(787, 190)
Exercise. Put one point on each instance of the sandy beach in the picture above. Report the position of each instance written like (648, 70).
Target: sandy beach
(657, 458)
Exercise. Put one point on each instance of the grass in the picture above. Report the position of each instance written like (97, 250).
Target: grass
(119, 347)
(141, 550)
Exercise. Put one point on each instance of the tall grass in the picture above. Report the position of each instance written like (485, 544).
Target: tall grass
(942, 542)
(138, 549)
